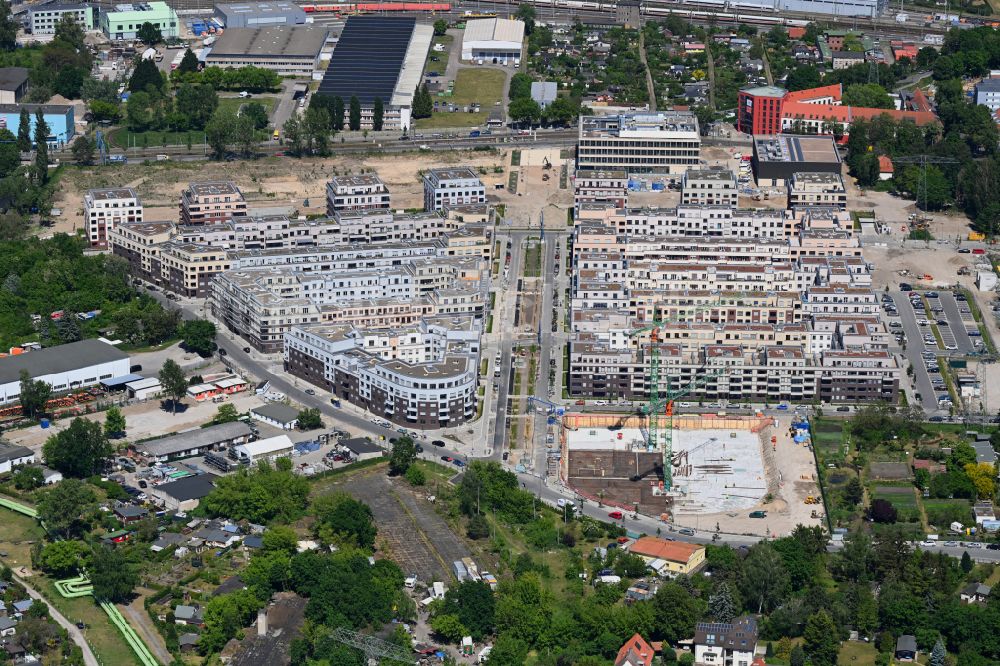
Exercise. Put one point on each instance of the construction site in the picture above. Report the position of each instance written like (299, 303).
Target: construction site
(704, 464)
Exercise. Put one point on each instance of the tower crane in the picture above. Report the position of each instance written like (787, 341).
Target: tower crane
(656, 403)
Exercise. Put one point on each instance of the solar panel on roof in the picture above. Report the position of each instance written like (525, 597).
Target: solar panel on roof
(368, 58)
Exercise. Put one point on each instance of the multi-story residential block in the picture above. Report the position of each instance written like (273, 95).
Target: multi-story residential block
(105, 209)
(211, 203)
(709, 187)
(726, 643)
(988, 93)
(665, 142)
(264, 304)
(420, 376)
(817, 189)
(591, 186)
(188, 268)
(769, 306)
(355, 193)
(458, 186)
(776, 158)
(140, 245)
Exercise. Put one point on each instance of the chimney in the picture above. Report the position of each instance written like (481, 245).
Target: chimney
(262, 622)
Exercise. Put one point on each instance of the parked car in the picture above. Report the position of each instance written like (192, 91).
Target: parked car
(437, 442)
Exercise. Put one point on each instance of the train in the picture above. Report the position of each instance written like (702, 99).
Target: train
(733, 11)
(367, 7)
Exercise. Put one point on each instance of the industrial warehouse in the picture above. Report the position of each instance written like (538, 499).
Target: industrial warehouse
(379, 58)
(287, 51)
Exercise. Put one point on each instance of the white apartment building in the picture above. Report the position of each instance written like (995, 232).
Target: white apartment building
(44, 18)
(356, 192)
(709, 187)
(817, 189)
(105, 209)
(667, 142)
(592, 186)
(458, 186)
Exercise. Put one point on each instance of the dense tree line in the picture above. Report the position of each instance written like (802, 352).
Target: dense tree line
(40, 277)
(260, 495)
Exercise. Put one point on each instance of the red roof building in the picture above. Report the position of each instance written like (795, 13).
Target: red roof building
(885, 168)
(635, 652)
(773, 110)
(796, 33)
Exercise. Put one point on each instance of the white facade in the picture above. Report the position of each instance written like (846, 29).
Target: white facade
(44, 19)
(63, 369)
(716, 655)
(988, 93)
(444, 188)
(103, 210)
(493, 40)
(264, 449)
(14, 456)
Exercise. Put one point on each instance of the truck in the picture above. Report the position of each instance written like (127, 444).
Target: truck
(461, 573)
(976, 236)
(471, 568)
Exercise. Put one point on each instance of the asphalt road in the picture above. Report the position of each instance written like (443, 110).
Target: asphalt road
(88, 655)
(504, 322)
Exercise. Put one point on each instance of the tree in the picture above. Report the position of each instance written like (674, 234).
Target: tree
(676, 612)
(339, 517)
(798, 656)
(938, 654)
(354, 114)
(473, 603)
(41, 148)
(449, 628)
(225, 616)
(114, 422)
(867, 95)
(34, 394)
(292, 136)
(967, 564)
(721, 606)
(316, 130)
(378, 115)
(882, 511)
(189, 63)
(245, 136)
(853, 492)
(983, 476)
(257, 114)
(62, 507)
(28, 478)
(83, 150)
(144, 76)
(24, 124)
(423, 105)
(259, 494)
(820, 639)
(173, 381)
(520, 86)
(220, 132)
(526, 13)
(79, 450)
(803, 77)
(402, 456)
(8, 28)
(226, 414)
(562, 111)
(149, 34)
(440, 27)
(765, 579)
(196, 103)
(337, 114)
(199, 336)
(525, 111)
(310, 419)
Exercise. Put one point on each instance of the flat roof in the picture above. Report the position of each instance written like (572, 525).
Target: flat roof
(277, 411)
(368, 58)
(795, 148)
(62, 358)
(279, 7)
(12, 78)
(360, 445)
(106, 194)
(188, 488)
(493, 30)
(274, 42)
(195, 439)
(264, 446)
(52, 109)
(215, 187)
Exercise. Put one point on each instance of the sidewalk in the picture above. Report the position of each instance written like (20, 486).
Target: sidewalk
(88, 656)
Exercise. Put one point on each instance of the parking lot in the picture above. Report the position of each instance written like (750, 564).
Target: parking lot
(933, 326)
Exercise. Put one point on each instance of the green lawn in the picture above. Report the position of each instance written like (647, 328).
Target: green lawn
(533, 260)
(856, 652)
(481, 85)
(122, 138)
(234, 103)
(104, 638)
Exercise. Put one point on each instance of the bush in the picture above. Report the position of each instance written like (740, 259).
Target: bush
(416, 476)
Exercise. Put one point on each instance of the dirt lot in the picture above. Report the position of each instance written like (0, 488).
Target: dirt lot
(791, 474)
(272, 181)
(144, 420)
(408, 529)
